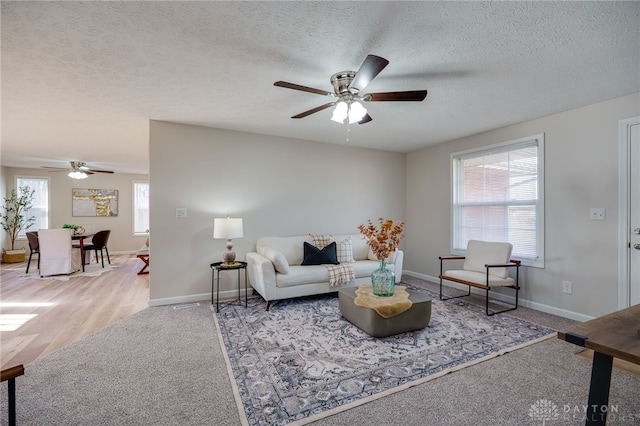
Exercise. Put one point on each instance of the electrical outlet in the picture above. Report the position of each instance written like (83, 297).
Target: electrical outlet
(597, 213)
(567, 287)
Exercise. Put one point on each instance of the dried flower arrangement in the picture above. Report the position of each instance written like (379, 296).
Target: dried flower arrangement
(384, 239)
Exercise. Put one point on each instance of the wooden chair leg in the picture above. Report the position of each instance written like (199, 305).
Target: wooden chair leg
(29, 262)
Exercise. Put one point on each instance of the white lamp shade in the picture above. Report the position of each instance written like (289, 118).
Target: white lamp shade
(340, 112)
(227, 228)
(77, 174)
(356, 112)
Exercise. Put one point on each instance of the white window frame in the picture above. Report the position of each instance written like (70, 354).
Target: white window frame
(22, 235)
(456, 157)
(134, 209)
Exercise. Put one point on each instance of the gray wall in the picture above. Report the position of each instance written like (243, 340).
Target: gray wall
(291, 187)
(278, 186)
(581, 171)
(60, 185)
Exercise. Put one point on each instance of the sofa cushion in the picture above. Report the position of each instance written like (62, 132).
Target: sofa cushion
(277, 258)
(315, 256)
(360, 248)
(313, 274)
(321, 240)
(480, 278)
(290, 247)
(301, 275)
(364, 268)
(345, 250)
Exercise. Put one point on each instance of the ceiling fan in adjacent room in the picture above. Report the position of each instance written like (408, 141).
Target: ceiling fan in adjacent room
(78, 170)
(347, 86)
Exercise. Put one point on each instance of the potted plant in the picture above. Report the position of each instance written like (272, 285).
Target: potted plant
(76, 229)
(14, 219)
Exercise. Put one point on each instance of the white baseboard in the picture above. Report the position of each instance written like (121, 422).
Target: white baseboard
(123, 252)
(226, 294)
(230, 294)
(509, 299)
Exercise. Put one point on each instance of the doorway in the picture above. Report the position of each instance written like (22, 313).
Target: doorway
(629, 207)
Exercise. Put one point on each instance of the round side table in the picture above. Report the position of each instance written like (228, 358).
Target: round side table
(216, 267)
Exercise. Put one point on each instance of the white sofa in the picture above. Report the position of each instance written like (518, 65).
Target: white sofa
(276, 272)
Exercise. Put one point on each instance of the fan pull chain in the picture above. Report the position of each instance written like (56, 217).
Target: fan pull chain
(348, 121)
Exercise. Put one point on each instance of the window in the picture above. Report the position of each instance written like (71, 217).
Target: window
(40, 208)
(140, 208)
(498, 195)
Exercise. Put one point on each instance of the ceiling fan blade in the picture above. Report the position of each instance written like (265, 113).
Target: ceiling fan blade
(314, 110)
(55, 169)
(367, 118)
(98, 171)
(369, 69)
(411, 95)
(302, 88)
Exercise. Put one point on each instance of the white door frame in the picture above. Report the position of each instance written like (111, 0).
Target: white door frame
(624, 176)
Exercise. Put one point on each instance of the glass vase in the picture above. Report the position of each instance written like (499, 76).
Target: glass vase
(383, 280)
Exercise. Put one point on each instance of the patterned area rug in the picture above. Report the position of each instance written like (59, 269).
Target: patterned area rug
(302, 361)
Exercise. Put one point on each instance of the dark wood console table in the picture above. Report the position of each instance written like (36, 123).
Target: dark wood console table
(614, 335)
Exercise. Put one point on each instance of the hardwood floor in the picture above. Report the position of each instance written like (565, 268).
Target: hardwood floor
(38, 316)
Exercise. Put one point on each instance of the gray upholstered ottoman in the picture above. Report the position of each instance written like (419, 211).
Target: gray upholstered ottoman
(369, 321)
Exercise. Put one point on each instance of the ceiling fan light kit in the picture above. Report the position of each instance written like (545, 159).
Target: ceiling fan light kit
(347, 86)
(77, 174)
(352, 110)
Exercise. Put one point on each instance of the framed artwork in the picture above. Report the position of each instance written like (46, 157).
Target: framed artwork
(94, 202)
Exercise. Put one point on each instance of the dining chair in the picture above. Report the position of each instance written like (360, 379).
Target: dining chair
(32, 238)
(57, 256)
(99, 242)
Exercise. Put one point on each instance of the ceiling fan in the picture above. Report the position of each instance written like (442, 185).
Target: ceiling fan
(78, 170)
(347, 86)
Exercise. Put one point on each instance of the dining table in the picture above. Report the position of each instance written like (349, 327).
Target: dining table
(616, 335)
(80, 238)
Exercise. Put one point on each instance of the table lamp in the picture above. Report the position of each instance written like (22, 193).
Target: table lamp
(227, 228)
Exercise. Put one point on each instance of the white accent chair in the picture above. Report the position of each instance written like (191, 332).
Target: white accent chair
(486, 265)
(57, 256)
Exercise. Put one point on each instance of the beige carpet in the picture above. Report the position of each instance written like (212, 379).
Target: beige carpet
(164, 366)
(618, 364)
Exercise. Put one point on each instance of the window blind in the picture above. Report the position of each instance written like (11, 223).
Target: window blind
(497, 196)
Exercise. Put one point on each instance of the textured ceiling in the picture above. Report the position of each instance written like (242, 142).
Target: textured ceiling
(81, 80)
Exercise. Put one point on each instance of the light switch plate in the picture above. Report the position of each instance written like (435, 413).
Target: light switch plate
(181, 213)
